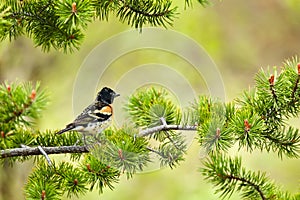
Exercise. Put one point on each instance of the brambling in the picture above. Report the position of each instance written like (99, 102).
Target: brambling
(96, 117)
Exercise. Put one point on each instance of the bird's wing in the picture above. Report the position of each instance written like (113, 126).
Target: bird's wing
(68, 128)
(97, 112)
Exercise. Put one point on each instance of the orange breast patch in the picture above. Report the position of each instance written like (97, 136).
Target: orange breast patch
(106, 110)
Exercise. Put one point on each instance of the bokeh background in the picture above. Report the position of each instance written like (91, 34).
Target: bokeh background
(240, 36)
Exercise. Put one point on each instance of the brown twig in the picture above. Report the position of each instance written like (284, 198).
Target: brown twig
(30, 151)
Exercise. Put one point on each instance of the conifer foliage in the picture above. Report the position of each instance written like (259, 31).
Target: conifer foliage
(259, 119)
(21, 105)
(60, 24)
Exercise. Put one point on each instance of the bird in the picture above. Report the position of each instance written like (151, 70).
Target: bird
(96, 117)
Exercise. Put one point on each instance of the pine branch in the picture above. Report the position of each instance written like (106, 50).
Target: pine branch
(138, 13)
(19, 111)
(30, 151)
(246, 182)
(164, 127)
(60, 24)
(20, 104)
(228, 176)
(274, 100)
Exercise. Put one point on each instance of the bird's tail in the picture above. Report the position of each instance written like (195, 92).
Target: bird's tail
(68, 128)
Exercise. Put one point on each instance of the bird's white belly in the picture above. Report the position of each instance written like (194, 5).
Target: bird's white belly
(93, 127)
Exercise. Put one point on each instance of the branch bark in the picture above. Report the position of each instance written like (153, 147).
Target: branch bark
(165, 127)
(30, 151)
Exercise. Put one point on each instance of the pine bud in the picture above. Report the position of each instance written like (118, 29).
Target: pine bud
(75, 181)
(72, 37)
(298, 65)
(247, 125)
(2, 134)
(218, 133)
(74, 9)
(33, 94)
(19, 21)
(43, 195)
(88, 166)
(120, 154)
(8, 88)
(271, 80)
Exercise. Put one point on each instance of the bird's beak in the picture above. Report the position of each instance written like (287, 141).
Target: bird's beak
(116, 95)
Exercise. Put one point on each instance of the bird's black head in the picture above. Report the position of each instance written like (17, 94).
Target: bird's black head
(106, 95)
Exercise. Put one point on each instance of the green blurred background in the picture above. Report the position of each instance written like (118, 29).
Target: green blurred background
(240, 36)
